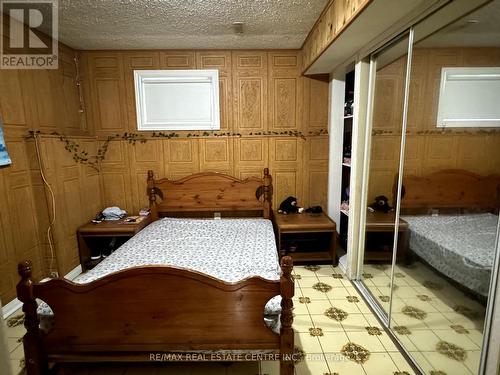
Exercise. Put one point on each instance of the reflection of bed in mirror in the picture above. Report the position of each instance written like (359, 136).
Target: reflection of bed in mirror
(452, 217)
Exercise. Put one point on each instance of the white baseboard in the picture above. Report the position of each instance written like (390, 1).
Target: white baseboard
(11, 308)
(343, 263)
(74, 272)
(15, 304)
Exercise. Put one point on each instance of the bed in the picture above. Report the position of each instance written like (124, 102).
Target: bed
(166, 294)
(453, 218)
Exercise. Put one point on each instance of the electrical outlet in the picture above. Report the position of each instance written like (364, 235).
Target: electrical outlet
(54, 274)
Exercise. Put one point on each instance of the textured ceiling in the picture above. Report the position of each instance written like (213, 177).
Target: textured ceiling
(141, 24)
(478, 29)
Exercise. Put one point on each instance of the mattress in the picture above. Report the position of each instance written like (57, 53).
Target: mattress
(461, 247)
(229, 249)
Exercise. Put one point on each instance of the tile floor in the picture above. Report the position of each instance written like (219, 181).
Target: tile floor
(436, 322)
(334, 328)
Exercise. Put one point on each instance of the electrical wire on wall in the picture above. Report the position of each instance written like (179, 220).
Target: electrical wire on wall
(52, 204)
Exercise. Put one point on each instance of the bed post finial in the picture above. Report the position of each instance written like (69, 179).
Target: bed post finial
(268, 193)
(152, 195)
(35, 360)
(286, 333)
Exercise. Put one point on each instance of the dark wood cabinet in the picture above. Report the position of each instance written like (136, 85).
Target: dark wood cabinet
(379, 238)
(105, 236)
(307, 238)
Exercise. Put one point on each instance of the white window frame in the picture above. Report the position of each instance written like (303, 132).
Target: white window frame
(473, 90)
(184, 117)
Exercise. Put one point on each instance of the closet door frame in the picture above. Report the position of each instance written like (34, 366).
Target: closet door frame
(409, 34)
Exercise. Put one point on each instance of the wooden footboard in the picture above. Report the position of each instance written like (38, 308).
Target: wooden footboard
(142, 312)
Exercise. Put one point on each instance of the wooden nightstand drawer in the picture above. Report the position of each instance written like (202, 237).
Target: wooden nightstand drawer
(307, 238)
(95, 238)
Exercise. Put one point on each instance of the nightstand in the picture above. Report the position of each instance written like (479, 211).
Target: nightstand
(96, 238)
(307, 238)
(379, 238)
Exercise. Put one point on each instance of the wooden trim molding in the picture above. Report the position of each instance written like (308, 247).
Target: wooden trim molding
(335, 18)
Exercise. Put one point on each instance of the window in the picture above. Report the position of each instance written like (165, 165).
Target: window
(177, 99)
(468, 97)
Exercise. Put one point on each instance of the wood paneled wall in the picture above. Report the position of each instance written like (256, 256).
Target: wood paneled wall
(260, 91)
(427, 148)
(334, 19)
(47, 100)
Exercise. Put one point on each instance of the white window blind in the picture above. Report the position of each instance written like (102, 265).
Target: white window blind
(177, 99)
(469, 97)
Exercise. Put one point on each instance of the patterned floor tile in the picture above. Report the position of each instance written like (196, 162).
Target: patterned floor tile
(437, 321)
(355, 322)
(372, 320)
(317, 307)
(355, 352)
(307, 343)
(340, 365)
(418, 303)
(401, 362)
(423, 363)
(443, 363)
(424, 340)
(369, 342)
(347, 306)
(15, 332)
(315, 333)
(381, 281)
(452, 336)
(457, 318)
(364, 309)
(314, 366)
(388, 343)
(405, 292)
(325, 270)
(12, 343)
(406, 342)
(333, 341)
(330, 280)
(300, 270)
(300, 308)
(338, 293)
(326, 324)
(313, 293)
(17, 367)
(472, 361)
(302, 323)
(476, 336)
(401, 319)
(307, 282)
(380, 363)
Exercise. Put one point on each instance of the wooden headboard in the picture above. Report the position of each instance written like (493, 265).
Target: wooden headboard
(203, 194)
(451, 188)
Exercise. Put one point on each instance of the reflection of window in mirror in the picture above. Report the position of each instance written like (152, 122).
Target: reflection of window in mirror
(429, 274)
(451, 181)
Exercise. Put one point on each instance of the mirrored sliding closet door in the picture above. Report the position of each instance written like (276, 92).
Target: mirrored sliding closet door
(388, 82)
(430, 248)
